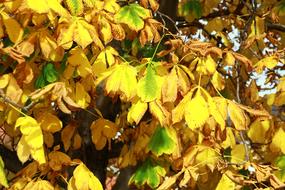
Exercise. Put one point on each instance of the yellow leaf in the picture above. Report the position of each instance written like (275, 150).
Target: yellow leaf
(169, 87)
(57, 160)
(258, 131)
(278, 143)
(84, 179)
(218, 81)
(121, 79)
(194, 118)
(183, 76)
(210, 64)
(102, 130)
(111, 6)
(82, 98)
(13, 28)
(237, 116)
(238, 154)
(79, 60)
(229, 59)
(81, 35)
(137, 111)
(43, 6)
(268, 62)
(13, 91)
(32, 139)
(106, 57)
(23, 150)
(77, 140)
(215, 112)
(65, 38)
(225, 183)
(257, 27)
(41, 185)
(12, 116)
(230, 139)
(49, 47)
(105, 30)
(80, 31)
(179, 110)
(208, 157)
(4, 80)
(67, 134)
(50, 122)
(48, 139)
(161, 113)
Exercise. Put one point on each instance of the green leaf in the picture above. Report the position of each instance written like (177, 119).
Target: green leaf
(40, 82)
(148, 173)
(75, 6)
(149, 87)
(133, 15)
(280, 163)
(50, 73)
(161, 142)
(3, 179)
(193, 7)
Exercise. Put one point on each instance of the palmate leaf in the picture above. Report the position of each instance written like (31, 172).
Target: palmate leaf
(162, 142)
(133, 15)
(149, 173)
(79, 31)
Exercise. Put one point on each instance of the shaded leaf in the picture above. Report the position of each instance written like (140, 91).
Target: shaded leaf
(162, 142)
(149, 173)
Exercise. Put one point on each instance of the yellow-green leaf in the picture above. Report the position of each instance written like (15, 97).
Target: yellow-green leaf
(149, 87)
(133, 15)
(3, 179)
(75, 6)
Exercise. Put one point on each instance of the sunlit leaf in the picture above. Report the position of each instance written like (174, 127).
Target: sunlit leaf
(137, 111)
(195, 119)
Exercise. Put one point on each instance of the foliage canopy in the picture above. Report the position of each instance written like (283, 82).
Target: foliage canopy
(201, 107)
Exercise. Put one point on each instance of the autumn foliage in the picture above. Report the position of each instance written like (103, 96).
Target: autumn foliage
(200, 107)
